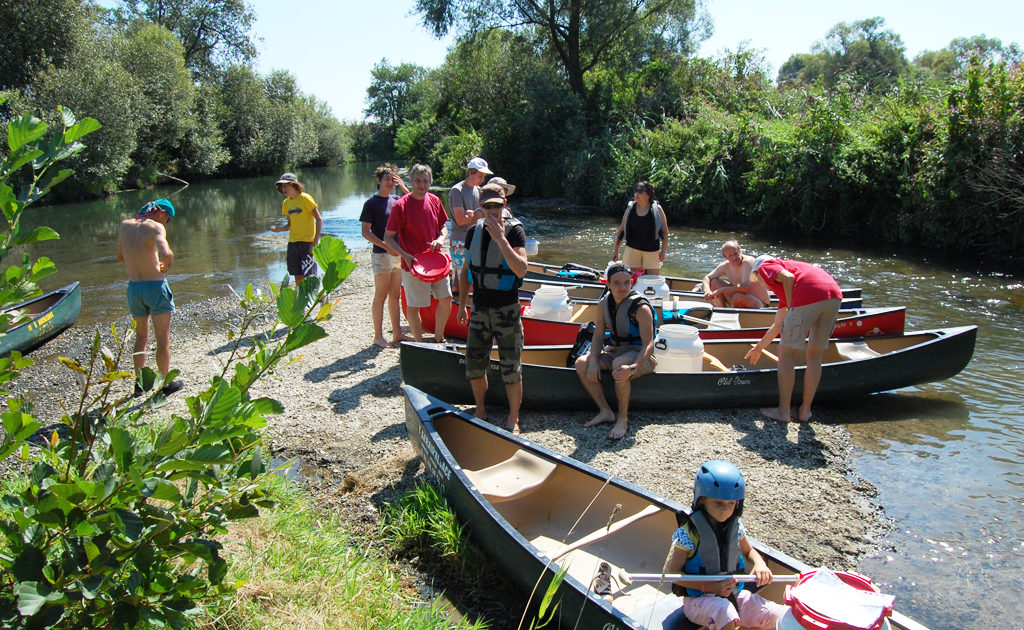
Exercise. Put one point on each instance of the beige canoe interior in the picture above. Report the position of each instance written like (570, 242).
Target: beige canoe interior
(554, 506)
(721, 355)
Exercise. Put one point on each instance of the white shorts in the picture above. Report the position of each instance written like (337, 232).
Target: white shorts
(417, 292)
(383, 262)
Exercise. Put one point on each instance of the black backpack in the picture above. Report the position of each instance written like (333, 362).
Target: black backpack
(582, 344)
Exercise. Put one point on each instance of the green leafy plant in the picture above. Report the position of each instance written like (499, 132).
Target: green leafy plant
(115, 525)
(31, 158)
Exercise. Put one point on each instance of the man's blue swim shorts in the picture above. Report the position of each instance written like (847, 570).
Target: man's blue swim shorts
(150, 297)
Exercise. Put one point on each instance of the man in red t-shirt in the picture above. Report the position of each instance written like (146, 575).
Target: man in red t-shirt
(809, 301)
(416, 225)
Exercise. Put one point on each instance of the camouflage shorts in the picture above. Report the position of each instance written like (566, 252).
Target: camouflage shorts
(503, 325)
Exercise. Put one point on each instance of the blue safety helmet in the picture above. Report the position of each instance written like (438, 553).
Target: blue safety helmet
(719, 479)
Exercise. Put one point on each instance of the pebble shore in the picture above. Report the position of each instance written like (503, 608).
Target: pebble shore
(344, 428)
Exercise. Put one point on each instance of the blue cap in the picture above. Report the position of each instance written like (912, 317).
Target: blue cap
(156, 206)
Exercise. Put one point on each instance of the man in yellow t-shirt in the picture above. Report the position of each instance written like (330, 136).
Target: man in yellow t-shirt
(304, 226)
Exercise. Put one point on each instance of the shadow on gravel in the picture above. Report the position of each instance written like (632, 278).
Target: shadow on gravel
(385, 385)
(345, 366)
(250, 341)
(771, 440)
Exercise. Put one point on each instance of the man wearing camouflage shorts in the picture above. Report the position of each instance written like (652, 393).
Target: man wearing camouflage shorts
(496, 263)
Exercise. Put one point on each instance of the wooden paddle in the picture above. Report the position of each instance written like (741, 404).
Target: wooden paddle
(715, 363)
(604, 532)
(698, 320)
(626, 577)
(766, 353)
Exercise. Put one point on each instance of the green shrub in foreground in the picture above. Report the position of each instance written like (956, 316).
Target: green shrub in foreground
(116, 524)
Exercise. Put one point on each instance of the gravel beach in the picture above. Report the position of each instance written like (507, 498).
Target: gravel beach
(344, 427)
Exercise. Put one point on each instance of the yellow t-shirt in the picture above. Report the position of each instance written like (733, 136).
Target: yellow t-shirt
(301, 223)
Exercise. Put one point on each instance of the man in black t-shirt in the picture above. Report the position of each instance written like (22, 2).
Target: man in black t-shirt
(496, 262)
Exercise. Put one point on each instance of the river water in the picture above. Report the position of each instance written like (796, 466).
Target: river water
(946, 458)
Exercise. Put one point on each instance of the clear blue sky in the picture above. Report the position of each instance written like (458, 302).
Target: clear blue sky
(331, 45)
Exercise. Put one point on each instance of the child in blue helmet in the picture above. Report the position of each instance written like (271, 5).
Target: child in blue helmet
(712, 541)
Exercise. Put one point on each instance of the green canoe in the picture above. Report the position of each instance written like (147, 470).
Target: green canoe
(50, 314)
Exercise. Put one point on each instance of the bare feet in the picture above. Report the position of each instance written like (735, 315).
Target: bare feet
(805, 418)
(480, 412)
(619, 430)
(395, 342)
(513, 427)
(600, 418)
(775, 414)
(379, 342)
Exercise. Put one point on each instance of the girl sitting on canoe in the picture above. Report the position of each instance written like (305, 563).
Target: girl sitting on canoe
(708, 537)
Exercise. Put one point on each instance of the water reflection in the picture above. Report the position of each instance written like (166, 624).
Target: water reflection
(946, 458)
(220, 235)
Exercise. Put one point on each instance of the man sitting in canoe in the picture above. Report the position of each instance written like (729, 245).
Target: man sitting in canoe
(496, 262)
(809, 300)
(628, 353)
(729, 283)
(142, 246)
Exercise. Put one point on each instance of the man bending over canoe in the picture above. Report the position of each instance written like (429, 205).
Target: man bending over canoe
(628, 354)
(809, 301)
(729, 283)
(142, 246)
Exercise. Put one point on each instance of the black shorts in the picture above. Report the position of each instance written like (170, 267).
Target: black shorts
(300, 259)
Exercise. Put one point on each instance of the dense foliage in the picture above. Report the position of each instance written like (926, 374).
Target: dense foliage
(851, 143)
(171, 83)
(115, 523)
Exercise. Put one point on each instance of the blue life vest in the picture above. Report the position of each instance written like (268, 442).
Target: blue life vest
(709, 559)
(622, 322)
(494, 273)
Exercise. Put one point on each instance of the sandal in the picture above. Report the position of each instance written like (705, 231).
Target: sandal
(603, 581)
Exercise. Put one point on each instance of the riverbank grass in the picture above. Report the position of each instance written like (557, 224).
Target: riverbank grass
(296, 567)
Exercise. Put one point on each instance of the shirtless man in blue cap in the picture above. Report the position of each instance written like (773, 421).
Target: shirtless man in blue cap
(142, 246)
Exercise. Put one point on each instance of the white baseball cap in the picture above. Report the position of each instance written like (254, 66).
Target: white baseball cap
(479, 164)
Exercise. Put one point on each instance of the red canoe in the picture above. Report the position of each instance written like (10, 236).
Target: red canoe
(713, 322)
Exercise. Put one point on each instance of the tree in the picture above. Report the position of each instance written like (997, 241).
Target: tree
(153, 56)
(579, 34)
(212, 32)
(864, 50)
(391, 94)
(36, 34)
(955, 58)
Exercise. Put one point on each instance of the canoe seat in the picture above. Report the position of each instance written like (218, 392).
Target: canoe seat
(730, 320)
(515, 477)
(854, 350)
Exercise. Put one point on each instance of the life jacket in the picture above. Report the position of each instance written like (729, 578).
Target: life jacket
(709, 559)
(625, 330)
(494, 273)
(659, 228)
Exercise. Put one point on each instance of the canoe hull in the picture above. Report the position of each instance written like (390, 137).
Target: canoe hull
(439, 370)
(452, 444)
(544, 332)
(53, 313)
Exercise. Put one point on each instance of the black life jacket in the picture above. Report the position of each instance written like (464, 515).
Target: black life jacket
(494, 273)
(659, 228)
(622, 322)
